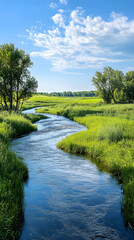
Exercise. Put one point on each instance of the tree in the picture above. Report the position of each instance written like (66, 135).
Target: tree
(119, 95)
(129, 86)
(16, 83)
(108, 82)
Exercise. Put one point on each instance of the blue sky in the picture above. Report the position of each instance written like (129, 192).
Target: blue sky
(69, 40)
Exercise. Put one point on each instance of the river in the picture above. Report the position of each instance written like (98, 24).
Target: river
(66, 196)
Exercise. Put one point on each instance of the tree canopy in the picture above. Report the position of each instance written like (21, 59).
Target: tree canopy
(113, 86)
(16, 83)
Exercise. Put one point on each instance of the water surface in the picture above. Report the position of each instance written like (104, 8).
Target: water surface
(66, 196)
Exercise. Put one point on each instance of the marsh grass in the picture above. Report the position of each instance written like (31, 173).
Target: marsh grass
(13, 172)
(34, 118)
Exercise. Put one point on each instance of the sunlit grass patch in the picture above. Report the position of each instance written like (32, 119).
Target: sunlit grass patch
(13, 125)
(40, 100)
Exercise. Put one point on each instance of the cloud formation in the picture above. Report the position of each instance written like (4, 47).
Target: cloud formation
(85, 42)
(64, 2)
(53, 5)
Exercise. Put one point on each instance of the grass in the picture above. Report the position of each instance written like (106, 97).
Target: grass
(47, 101)
(13, 172)
(108, 139)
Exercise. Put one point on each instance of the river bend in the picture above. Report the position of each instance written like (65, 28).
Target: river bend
(66, 196)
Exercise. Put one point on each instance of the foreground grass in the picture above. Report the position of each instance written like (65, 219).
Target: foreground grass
(108, 140)
(13, 172)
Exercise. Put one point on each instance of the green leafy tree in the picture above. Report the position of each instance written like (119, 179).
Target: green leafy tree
(129, 86)
(119, 95)
(16, 84)
(108, 82)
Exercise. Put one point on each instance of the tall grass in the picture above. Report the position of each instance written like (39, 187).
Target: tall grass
(13, 172)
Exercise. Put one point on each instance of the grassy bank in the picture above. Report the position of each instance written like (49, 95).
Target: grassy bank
(108, 139)
(13, 172)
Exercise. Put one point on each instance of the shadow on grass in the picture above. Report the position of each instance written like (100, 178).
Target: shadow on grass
(71, 114)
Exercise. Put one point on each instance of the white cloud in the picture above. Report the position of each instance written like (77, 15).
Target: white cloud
(64, 2)
(53, 5)
(61, 10)
(85, 42)
(58, 19)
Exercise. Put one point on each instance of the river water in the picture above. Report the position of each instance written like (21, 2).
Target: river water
(66, 196)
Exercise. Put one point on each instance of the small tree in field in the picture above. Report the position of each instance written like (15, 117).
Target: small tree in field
(16, 83)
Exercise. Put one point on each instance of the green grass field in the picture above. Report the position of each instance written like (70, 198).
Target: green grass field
(40, 100)
(13, 172)
(108, 140)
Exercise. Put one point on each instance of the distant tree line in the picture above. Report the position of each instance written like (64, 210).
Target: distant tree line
(16, 83)
(115, 86)
(71, 94)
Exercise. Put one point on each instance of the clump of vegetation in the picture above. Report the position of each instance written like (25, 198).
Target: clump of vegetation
(14, 125)
(34, 118)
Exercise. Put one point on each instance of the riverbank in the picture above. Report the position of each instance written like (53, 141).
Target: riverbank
(108, 140)
(13, 172)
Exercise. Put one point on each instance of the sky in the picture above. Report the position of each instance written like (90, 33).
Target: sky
(69, 40)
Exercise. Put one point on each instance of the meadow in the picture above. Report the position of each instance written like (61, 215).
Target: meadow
(108, 140)
(13, 172)
(41, 100)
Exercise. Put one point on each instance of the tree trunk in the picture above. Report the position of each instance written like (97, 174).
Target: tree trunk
(5, 102)
(17, 98)
(21, 105)
(11, 93)
(2, 104)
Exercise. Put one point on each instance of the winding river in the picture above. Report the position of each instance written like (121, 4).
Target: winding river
(66, 196)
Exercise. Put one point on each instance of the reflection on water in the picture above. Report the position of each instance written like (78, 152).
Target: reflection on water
(66, 197)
